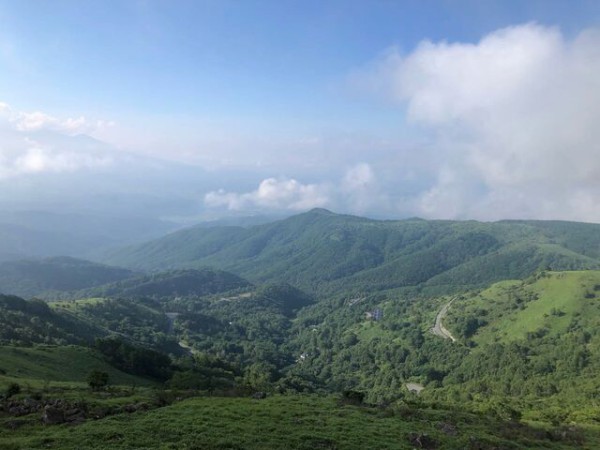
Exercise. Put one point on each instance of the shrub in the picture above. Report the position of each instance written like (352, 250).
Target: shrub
(353, 397)
(12, 389)
(97, 379)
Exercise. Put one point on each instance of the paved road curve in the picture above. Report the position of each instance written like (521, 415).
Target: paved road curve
(439, 329)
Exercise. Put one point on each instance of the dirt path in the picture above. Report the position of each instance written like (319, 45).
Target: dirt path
(187, 348)
(439, 329)
(415, 387)
(171, 317)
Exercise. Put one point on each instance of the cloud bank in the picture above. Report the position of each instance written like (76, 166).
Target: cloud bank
(357, 191)
(36, 143)
(514, 119)
(505, 127)
(272, 194)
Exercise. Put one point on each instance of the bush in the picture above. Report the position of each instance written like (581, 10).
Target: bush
(97, 379)
(12, 389)
(353, 397)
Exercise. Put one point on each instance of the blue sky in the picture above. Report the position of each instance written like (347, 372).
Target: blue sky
(230, 58)
(320, 96)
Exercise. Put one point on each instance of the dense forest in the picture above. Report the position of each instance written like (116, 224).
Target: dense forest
(346, 308)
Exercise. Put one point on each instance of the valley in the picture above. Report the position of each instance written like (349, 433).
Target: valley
(300, 225)
(368, 329)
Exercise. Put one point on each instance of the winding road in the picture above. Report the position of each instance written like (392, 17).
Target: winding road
(439, 329)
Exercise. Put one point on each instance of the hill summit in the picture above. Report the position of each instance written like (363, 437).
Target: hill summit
(320, 250)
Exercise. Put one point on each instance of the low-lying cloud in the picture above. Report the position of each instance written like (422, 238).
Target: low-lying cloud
(513, 118)
(357, 191)
(36, 143)
(41, 121)
(506, 127)
(272, 194)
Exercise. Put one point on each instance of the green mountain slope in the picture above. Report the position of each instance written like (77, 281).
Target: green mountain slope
(174, 283)
(70, 363)
(534, 342)
(30, 278)
(323, 251)
(25, 322)
(552, 304)
(141, 322)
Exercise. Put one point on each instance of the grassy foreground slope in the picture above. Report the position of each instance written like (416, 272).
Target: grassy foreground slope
(296, 422)
(38, 365)
(325, 252)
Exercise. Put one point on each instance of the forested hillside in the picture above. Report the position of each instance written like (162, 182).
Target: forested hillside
(45, 277)
(524, 350)
(175, 283)
(322, 252)
(27, 322)
(337, 305)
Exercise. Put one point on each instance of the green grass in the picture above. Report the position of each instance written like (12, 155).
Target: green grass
(561, 297)
(293, 422)
(66, 364)
(549, 302)
(73, 304)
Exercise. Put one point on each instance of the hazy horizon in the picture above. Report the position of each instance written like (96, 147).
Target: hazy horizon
(212, 109)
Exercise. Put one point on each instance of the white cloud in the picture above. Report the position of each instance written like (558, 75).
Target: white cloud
(273, 194)
(514, 119)
(356, 192)
(37, 160)
(37, 121)
(40, 121)
(25, 152)
(358, 178)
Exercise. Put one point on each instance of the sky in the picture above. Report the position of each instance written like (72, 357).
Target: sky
(443, 109)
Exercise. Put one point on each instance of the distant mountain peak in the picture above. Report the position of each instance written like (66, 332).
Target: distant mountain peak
(321, 211)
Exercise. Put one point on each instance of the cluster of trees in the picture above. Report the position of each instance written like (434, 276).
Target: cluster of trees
(242, 329)
(169, 284)
(276, 337)
(25, 322)
(135, 359)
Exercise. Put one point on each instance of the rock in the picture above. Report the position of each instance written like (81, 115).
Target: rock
(14, 424)
(422, 440)
(76, 420)
(131, 408)
(259, 395)
(447, 428)
(99, 413)
(143, 406)
(72, 412)
(53, 415)
(18, 410)
(75, 416)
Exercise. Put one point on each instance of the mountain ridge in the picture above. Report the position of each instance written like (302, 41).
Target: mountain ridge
(321, 248)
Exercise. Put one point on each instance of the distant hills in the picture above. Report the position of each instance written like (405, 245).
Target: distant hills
(39, 234)
(171, 284)
(28, 278)
(65, 277)
(326, 303)
(321, 251)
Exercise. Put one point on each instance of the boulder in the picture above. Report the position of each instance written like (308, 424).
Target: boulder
(53, 415)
